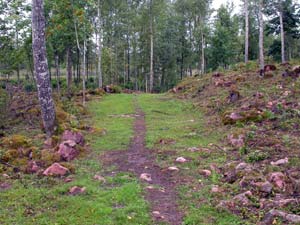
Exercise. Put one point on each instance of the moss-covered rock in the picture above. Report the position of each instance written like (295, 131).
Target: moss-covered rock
(48, 157)
(15, 141)
(10, 155)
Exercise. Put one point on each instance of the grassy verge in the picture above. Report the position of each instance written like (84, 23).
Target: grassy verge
(174, 126)
(42, 200)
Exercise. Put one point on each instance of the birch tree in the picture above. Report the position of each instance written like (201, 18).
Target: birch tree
(261, 36)
(246, 8)
(41, 67)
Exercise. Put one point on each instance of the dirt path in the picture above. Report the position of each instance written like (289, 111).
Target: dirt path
(160, 191)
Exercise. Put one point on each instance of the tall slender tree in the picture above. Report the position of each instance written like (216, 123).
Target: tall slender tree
(151, 47)
(246, 8)
(261, 36)
(41, 66)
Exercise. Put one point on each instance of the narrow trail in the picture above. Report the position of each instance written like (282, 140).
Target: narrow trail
(160, 191)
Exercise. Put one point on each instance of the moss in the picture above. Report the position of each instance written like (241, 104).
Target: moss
(20, 163)
(10, 155)
(15, 141)
(36, 154)
(48, 157)
(61, 115)
(34, 111)
(252, 115)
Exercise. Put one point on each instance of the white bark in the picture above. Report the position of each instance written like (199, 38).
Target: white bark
(261, 37)
(246, 31)
(282, 37)
(151, 49)
(41, 71)
(99, 45)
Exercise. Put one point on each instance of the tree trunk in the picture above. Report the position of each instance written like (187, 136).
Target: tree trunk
(261, 37)
(69, 71)
(151, 49)
(84, 73)
(203, 54)
(282, 37)
(246, 32)
(99, 45)
(41, 67)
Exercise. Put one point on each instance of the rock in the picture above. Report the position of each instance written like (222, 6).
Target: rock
(265, 187)
(99, 178)
(173, 168)
(157, 214)
(67, 151)
(33, 167)
(56, 170)
(181, 160)
(206, 173)
(5, 186)
(280, 162)
(226, 205)
(77, 190)
(6, 176)
(230, 176)
(277, 178)
(294, 176)
(290, 218)
(68, 180)
(237, 142)
(216, 189)
(234, 95)
(193, 149)
(243, 199)
(74, 136)
(146, 177)
(244, 167)
(264, 204)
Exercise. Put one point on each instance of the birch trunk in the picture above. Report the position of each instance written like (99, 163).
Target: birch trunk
(282, 37)
(151, 49)
(246, 32)
(41, 67)
(203, 54)
(84, 73)
(261, 37)
(69, 71)
(99, 44)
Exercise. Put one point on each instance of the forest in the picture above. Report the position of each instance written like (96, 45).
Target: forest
(145, 45)
(147, 112)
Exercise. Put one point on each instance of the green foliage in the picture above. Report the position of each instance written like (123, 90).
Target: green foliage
(257, 155)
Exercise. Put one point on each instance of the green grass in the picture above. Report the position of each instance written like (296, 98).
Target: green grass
(106, 113)
(118, 201)
(168, 118)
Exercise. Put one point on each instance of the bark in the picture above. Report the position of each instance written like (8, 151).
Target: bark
(41, 67)
(282, 37)
(246, 32)
(69, 71)
(261, 37)
(99, 44)
(151, 49)
(203, 55)
(84, 73)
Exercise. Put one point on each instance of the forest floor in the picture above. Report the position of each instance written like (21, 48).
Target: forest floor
(141, 182)
(219, 149)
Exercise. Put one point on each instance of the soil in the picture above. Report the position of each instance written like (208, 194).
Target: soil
(160, 192)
